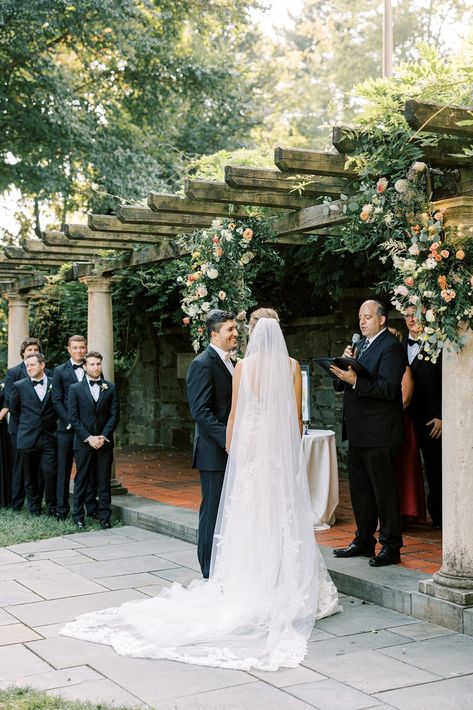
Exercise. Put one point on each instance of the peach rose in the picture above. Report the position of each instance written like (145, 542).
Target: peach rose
(445, 253)
(186, 320)
(438, 216)
(381, 185)
(460, 254)
(442, 281)
(218, 252)
(437, 257)
(409, 281)
(248, 235)
(434, 245)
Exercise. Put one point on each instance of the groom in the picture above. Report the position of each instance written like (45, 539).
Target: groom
(209, 391)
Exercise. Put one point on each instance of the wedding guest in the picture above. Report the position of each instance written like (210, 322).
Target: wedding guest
(426, 412)
(14, 374)
(372, 423)
(209, 392)
(94, 410)
(5, 456)
(65, 375)
(408, 464)
(32, 409)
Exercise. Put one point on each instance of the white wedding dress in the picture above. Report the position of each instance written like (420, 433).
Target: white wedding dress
(268, 582)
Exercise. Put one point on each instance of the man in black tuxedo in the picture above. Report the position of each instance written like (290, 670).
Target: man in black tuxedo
(372, 422)
(29, 346)
(65, 375)
(94, 410)
(425, 410)
(35, 419)
(209, 391)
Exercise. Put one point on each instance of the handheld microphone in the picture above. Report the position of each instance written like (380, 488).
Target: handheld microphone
(355, 338)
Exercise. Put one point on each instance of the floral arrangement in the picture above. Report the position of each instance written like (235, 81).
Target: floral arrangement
(432, 264)
(224, 262)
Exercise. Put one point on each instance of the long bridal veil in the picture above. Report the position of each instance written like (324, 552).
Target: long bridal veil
(268, 582)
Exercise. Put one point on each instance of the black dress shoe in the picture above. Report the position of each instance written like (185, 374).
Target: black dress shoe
(353, 550)
(387, 556)
(105, 524)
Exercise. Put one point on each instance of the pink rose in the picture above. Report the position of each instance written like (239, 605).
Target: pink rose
(445, 253)
(409, 281)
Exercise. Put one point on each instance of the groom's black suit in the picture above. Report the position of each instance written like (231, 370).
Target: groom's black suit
(209, 391)
(372, 423)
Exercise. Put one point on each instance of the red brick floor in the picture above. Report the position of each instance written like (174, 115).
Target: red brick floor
(166, 475)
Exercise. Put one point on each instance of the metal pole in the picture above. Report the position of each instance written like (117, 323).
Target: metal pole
(388, 39)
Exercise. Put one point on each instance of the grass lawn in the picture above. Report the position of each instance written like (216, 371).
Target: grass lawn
(23, 527)
(27, 699)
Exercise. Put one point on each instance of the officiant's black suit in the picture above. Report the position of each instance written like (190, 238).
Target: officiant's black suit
(372, 423)
(15, 374)
(426, 404)
(64, 376)
(209, 392)
(35, 424)
(93, 418)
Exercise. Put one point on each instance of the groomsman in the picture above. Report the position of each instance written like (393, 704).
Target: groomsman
(426, 412)
(64, 376)
(93, 409)
(209, 392)
(14, 374)
(35, 419)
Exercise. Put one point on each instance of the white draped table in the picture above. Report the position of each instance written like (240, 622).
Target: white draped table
(320, 453)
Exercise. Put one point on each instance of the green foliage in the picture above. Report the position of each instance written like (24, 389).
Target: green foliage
(29, 699)
(16, 527)
(104, 97)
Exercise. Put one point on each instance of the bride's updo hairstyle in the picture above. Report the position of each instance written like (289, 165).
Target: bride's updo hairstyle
(261, 313)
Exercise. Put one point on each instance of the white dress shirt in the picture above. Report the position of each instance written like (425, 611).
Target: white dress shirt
(79, 372)
(41, 389)
(225, 356)
(412, 350)
(94, 389)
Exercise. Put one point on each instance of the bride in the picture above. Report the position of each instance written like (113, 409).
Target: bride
(268, 582)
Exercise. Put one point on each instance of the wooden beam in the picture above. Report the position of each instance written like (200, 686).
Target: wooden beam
(309, 219)
(346, 141)
(183, 222)
(311, 162)
(109, 223)
(220, 192)
(165, 251)
(239, 178)
(38, 247)
(160, 202)
(59, 239)
(437, 118)
(15, 255)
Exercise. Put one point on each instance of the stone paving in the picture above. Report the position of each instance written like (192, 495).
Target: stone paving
(165, 475)
(366, 657)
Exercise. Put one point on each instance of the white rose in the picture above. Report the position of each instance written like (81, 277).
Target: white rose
(204, 268)
(428, 294)
(222, 295)
(419, 166)
(429, 316)
(430, 264)
(205, 306)
(401, 290)
(413, 299)
(217, 223)
(212, 273)
(414, 249)
(401, 186)
(201, 291)
(227, 235)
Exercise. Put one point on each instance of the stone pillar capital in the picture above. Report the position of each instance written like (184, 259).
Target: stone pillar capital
(99, 284)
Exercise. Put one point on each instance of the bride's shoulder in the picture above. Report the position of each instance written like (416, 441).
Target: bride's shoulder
(294, 364)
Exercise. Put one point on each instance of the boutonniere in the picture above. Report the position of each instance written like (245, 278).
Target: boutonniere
(103, 387)
(2, 385)
(50, 388)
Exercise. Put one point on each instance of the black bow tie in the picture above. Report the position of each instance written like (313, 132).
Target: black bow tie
(37, 382)
(410, 341)
(76, 367)
(94, 382)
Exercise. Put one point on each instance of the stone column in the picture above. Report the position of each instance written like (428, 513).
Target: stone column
(454, 581)
(18, 325)
(100, 321)
(100, 335)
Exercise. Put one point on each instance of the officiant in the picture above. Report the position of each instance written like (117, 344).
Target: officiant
(372, 424)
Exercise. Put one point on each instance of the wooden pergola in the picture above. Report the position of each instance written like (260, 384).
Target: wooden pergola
(149, 235)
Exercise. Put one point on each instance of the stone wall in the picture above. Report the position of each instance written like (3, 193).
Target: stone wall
(154, 405)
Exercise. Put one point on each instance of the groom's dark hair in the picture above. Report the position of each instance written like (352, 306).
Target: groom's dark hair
(215, 318)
